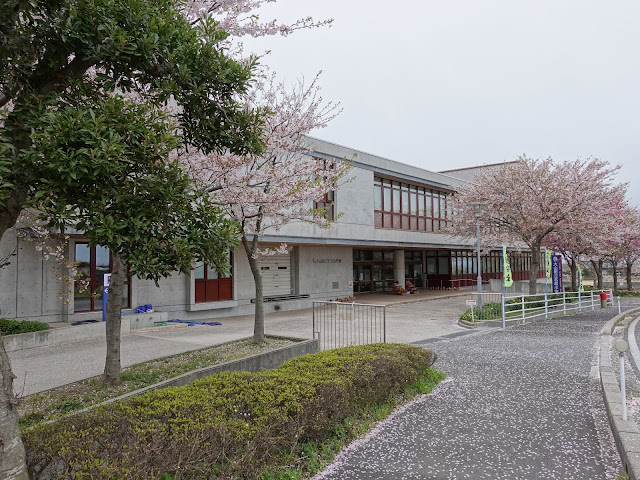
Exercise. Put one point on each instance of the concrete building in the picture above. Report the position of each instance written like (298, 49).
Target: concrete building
(390, 232)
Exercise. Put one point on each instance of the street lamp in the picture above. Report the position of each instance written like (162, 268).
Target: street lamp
(477, 211)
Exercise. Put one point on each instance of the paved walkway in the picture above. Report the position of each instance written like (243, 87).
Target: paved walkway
(519, 404)
(408, 320)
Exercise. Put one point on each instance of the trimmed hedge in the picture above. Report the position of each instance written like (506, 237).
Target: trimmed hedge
(229, 425)
(13, 327)
(626, 293)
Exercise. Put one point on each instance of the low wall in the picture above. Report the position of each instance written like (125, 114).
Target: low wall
(625, 432)
(58, 335)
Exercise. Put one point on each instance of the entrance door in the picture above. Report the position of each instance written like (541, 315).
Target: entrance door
(365, 278)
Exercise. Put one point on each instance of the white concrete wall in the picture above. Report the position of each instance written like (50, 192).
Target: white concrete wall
(321, 268)
(29, 288)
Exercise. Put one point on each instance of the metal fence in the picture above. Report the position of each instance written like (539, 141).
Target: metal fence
(337, 324)
(492, 306)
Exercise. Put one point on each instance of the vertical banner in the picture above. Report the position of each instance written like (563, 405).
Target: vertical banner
(580, 286)
(506, 268)
(106, 280)
(547, 262)
(556, 273)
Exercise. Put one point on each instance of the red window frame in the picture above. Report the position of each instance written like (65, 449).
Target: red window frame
(403, 206)
(214, 289)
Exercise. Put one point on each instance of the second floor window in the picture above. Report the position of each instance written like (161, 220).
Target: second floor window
(403, 206)
(328, 201)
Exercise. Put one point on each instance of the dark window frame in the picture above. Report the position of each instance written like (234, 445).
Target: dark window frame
(95, 286)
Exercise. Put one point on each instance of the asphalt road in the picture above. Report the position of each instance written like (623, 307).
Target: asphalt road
(519, 404)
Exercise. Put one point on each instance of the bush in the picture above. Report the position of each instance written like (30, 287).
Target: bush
(626, 293)
(230, 425)
(488, 311)
(13, 327)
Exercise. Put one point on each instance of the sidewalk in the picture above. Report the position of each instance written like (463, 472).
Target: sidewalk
(519, 404)
(38, 369)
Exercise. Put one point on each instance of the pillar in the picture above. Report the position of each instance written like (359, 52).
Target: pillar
(398, 266)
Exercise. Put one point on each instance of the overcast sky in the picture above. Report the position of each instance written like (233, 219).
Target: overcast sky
(455, 83)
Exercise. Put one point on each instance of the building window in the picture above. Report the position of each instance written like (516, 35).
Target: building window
(328, 201)
(404, 206)
(93, 263)
(211, 286)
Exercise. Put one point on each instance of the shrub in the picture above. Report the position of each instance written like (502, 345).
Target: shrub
(229, 425)
(488, 311)
(626, 293)
(13, 327)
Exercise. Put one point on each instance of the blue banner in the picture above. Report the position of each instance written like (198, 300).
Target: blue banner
(556, 274)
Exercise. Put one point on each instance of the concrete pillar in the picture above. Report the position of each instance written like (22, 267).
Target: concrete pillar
(398, 266)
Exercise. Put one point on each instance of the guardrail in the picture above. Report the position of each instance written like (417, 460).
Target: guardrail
(339, 324)
(493, 306)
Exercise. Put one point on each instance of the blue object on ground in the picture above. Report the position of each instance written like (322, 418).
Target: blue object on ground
(144, 308)
(195, 322)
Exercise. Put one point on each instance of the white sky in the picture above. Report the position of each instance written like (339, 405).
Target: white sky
(454, 83)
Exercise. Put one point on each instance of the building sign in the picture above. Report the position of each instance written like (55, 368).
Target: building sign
(556, 273)
(327, 260)
(472, 303)
(350, 286)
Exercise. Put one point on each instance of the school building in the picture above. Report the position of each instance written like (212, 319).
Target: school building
(390, 231)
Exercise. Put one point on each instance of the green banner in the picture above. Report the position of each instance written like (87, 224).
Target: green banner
(506, 268)
(580, 286)
(547, 256)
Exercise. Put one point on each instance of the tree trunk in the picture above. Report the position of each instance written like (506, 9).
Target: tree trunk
(12, 457)
(535, 267)
(251, 249)
(597, 267)
(629, 267)
(114, 320)
(574, 275)
(9, 214)
(614, 263)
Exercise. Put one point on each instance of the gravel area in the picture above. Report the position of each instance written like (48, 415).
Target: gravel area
(519, 404)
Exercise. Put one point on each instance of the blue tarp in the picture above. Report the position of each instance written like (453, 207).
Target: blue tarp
(195, 322)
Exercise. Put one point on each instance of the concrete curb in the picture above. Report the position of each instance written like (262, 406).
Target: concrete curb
(611, 324)
(56, 336)
(626, 433)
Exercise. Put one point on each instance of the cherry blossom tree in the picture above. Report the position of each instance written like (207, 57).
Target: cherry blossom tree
(579, 245)
(627, 247)
(528, 200)
(264, 192)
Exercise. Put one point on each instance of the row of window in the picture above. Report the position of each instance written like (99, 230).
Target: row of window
(95, 261)
(404, 206)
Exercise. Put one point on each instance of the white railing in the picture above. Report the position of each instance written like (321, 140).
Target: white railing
(493, 306)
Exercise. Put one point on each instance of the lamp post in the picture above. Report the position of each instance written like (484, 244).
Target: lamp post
(477, 211)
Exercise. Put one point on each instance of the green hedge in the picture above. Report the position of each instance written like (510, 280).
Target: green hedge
(626, 293)
(13, 327)
(230, 425)
(493, 310)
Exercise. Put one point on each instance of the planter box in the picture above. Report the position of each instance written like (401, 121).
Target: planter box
(56, 336)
